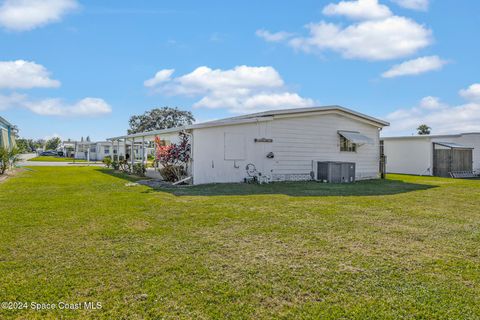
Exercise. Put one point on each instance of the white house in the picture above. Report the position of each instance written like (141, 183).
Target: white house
(436, 155)
(97, 151)
(279, 144)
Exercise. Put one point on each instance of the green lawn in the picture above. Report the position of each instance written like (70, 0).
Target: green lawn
(54, 159)
(406, 248)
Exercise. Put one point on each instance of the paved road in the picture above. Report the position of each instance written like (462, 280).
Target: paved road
(25, 163)
(57, 164)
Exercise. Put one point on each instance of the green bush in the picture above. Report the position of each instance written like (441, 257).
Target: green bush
(115, 165)
(107, 161)
(171, 173)
(8, 158)
(139, 169)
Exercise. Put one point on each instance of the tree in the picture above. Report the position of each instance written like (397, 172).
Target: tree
(29, 145)
(160, 118)
(424, 130)
(53, 143)
(38, 144)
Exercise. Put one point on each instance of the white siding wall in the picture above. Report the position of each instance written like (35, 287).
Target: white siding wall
(409, 156)
(209, 164)
(297, 141)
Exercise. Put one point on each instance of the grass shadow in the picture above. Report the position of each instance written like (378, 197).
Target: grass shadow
(121, 175)
(295, 189)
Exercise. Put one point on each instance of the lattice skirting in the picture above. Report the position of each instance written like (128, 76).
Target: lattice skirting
(291, 177)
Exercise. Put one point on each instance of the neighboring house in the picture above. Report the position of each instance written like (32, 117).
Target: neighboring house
(7, 138)
(280, 144)
(68, 148)
(97, 151)
(436, 155)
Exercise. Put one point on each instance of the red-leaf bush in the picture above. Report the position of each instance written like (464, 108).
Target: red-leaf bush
(173, 158)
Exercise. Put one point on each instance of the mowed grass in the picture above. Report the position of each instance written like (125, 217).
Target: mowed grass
(54, 159)
(408, 247)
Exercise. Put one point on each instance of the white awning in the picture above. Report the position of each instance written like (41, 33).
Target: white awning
(356, 137)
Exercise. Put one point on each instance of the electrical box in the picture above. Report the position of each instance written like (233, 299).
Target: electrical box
(336, 171)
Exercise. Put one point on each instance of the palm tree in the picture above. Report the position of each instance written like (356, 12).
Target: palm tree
(423, 130)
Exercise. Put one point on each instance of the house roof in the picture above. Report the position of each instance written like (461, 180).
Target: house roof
(5, 122)
(456, 135)
(309, 110)
(261, 116)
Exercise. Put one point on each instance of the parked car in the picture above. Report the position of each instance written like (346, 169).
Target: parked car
(49, 153)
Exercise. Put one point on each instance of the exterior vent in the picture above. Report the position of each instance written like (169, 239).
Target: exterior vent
(335, 171)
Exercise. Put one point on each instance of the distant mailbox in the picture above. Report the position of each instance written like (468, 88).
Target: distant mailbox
(335, 171)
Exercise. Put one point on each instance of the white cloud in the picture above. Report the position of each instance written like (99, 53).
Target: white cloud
(22, 15)
(431, 103)
(242, 89)
(160, 76)
(441, 117)
(22, 74)
(11, 100)
(390, 38)
(421, 5)
(415, 67)
(87, 107)
(273, 37)
(379, 35)
(472, 93)
(359, 10)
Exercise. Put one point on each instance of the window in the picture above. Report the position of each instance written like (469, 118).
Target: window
(93, 149)
(346, 145)
(107, 150)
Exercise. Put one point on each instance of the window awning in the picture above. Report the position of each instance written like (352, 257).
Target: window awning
(453, 145)
(356, 137)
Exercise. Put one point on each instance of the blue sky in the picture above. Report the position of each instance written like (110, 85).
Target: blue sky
(77, 68)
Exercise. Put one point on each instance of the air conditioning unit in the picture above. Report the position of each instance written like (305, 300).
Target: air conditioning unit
(334, 171)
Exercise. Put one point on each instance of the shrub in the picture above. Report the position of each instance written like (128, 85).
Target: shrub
(115, 165)
(107, 161)
(139, 169)
(8, 158)
(171, 173)
(125, 166)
